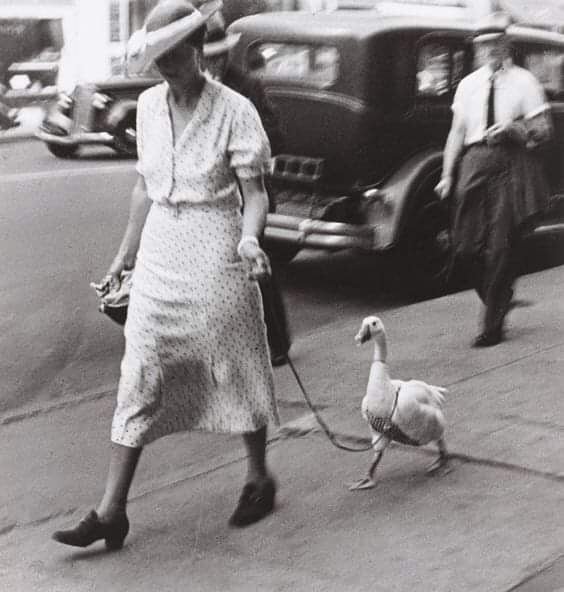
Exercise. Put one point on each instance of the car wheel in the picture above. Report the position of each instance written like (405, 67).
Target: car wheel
(281, 253)
(125, 135)
(62, 150)
(424, 255)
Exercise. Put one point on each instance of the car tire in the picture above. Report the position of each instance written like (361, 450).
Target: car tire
(421, 265)
(62, 150)
(125, 135)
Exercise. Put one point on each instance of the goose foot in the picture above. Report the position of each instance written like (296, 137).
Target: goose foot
(441, 466)
(366, 483)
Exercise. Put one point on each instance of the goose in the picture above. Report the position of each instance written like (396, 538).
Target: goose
(409, 412)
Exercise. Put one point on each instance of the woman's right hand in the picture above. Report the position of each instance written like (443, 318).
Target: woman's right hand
(111, 282)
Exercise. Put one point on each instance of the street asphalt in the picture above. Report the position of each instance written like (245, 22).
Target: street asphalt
(493, 524)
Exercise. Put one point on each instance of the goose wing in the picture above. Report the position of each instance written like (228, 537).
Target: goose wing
(418, 413)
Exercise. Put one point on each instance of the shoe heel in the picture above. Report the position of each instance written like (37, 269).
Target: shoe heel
(114, 543)
(114, 540)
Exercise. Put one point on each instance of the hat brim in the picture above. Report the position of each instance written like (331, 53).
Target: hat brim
(144, 47)
(222, 46)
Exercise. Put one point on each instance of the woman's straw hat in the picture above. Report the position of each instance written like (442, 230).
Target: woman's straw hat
(169, 23)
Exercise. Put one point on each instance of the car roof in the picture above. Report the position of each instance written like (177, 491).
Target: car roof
(344, 23)
(361, 24)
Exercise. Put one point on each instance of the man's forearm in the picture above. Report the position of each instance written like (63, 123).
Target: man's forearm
(453, 148)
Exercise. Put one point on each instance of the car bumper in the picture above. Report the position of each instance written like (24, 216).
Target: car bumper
(75, 139)
(319, 234)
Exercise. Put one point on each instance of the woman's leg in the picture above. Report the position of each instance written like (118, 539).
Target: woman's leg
(109, 521)
(255, 443)
(257, 498)
(123, 462)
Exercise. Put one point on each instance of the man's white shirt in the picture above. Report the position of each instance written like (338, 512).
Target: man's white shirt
(518, 94)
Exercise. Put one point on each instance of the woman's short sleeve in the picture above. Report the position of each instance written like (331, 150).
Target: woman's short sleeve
(248, 147)
(139, 134)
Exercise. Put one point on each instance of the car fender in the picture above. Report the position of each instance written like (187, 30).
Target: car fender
(119, 111)
(394, 200)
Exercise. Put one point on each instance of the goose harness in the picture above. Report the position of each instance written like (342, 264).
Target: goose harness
(386, 427)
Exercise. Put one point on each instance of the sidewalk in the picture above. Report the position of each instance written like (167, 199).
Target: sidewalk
(487, 526)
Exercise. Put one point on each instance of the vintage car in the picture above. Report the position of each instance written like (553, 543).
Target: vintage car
(364, 103)
(95, 113)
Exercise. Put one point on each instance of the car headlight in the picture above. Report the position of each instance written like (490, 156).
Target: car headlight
(100, 100)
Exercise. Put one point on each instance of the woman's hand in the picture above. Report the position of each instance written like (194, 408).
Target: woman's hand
(111, 282)
(250, 252)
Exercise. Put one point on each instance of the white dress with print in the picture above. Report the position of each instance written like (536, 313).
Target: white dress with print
(196, 355)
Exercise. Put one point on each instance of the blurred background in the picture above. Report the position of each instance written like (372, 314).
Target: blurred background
(50, 45)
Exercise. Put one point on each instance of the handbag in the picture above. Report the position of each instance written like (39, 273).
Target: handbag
(114, 303)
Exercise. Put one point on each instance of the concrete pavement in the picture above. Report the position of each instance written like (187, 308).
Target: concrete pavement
(492, 524)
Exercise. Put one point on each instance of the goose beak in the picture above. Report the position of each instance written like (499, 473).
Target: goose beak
(363, 335)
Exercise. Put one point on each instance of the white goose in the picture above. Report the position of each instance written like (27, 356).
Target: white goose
(409, 412)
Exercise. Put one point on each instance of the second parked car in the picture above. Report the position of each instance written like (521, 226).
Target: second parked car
(95, 113)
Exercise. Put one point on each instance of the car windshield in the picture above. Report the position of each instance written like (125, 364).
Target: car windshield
(315, 64)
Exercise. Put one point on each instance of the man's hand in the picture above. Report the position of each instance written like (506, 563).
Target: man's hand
(497, 133)
(444, 187)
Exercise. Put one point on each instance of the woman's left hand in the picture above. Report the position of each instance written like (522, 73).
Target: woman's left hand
(257, 260)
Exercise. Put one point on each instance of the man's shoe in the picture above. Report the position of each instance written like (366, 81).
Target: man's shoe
(256, 502)
(488, 338)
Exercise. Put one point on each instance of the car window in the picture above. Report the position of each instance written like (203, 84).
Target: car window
(317, 65)
(439, 69)
(548, 67)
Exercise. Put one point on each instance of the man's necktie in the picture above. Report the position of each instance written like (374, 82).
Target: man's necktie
(490, 118)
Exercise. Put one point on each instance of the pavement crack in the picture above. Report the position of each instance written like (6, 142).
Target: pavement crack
(505, 364)
(532, 422)
(52, 407)
(465, 458)
(537, 572)
(36, 522)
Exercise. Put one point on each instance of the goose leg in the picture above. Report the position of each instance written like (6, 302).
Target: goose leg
(368, 481)
(441, 465)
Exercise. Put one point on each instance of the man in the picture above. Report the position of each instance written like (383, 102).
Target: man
(499, 115)
(216, 54)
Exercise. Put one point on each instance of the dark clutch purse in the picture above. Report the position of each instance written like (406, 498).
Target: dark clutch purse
(114, 303)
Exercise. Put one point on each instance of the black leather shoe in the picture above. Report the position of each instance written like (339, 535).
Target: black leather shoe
(488, 338)
(91, 529)
(256, 502)
(278, 359)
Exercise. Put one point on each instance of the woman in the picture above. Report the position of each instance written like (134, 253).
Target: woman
(196, 355)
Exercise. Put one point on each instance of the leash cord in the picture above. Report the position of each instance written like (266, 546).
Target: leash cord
(330, 435)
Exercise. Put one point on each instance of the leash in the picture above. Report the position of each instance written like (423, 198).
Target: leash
(328, 432)
(387, 422)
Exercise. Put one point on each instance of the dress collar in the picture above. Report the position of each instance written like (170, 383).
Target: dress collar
(197, 115)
